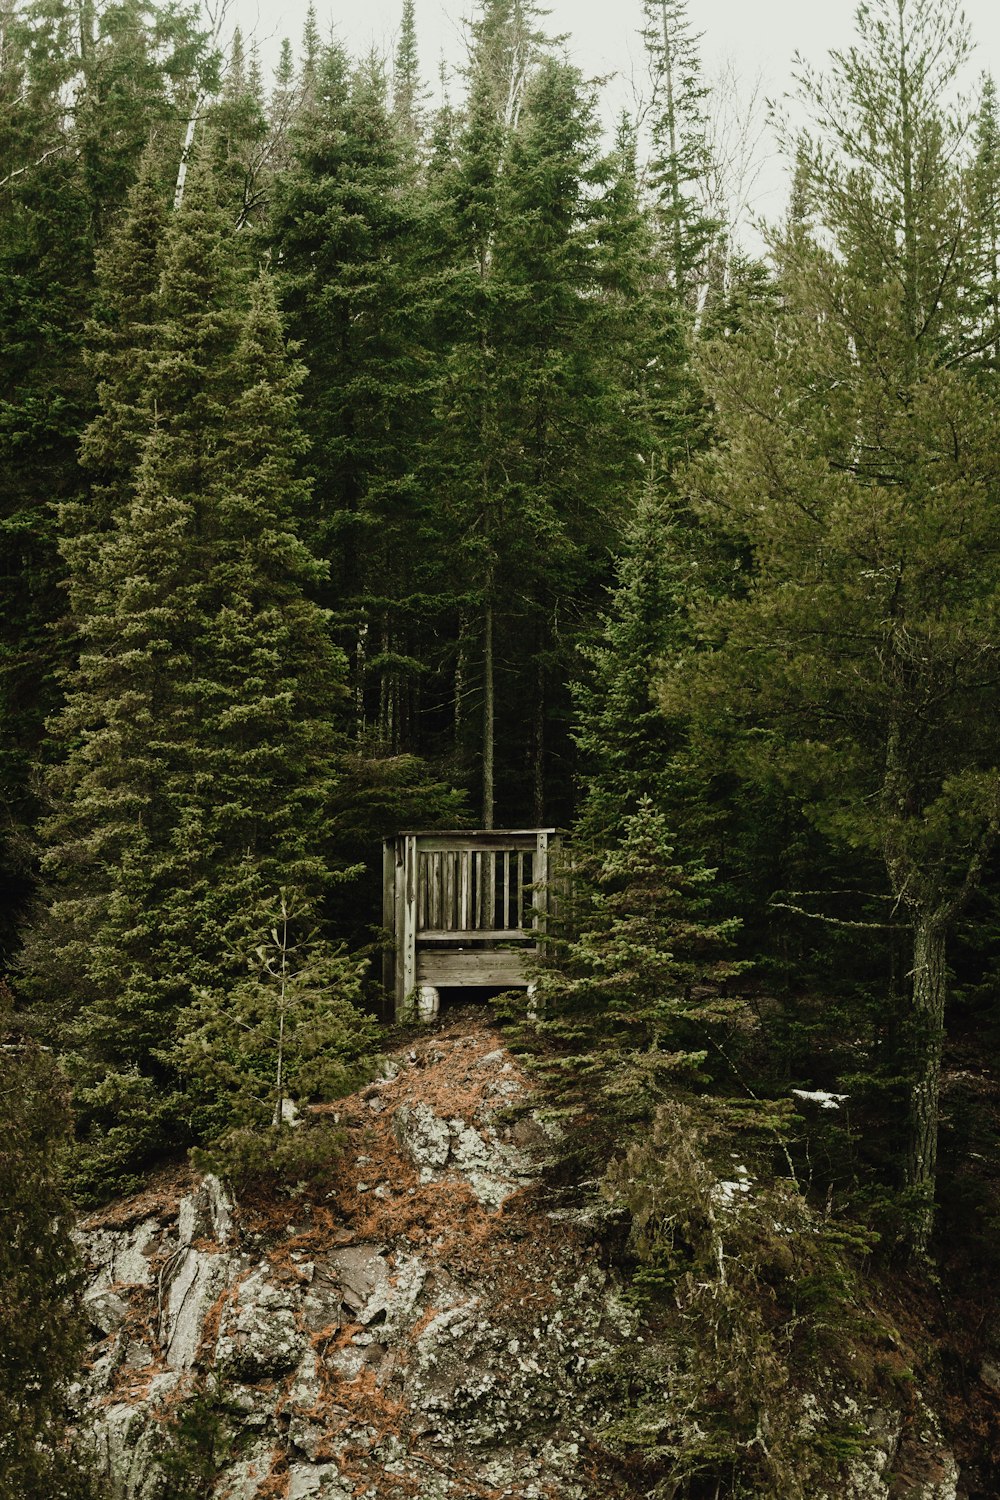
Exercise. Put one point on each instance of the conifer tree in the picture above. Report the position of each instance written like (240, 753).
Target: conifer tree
(628, 749)
(982, 291)
(66, 173)
(408, 93)
(859, 471)
(198, 747)
(534, 444)
(679, 160)
(287, 1030)
(638, 973)
(42, 1333)
(349, 242)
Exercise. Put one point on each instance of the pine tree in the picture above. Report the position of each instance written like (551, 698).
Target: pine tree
(287, 1030)
(66, 174)
(239, 134)
(859, 473)
(198, 748)
(628, 749)
(982, 291)
(534, 442)
(120, 337)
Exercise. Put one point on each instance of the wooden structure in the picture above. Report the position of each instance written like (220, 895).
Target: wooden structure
(464, 909)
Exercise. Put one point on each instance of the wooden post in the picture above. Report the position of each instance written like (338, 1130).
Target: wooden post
(541, 895)
(389, 915)
(406, 906)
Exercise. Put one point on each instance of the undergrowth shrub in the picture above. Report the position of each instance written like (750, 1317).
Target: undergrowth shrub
(279, 1157)
(758, 1321)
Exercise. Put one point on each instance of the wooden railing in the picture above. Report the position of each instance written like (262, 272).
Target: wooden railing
(464, 909)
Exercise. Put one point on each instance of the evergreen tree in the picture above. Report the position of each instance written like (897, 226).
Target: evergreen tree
(288, 1029)
(628, 749)
(198, 748)
(45, 247)
(349, 242)
(240, 137)
(42, 1332)
(130, 67)
(679, 161)
(535, 444)
(635, 980)
(982, 289)
(408, 93)
(859, 472)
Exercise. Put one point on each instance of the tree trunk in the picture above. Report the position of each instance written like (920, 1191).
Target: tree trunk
(489, 718)
(929, 990)
(538, 747)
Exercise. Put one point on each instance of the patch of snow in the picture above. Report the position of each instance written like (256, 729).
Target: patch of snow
(821, 1097)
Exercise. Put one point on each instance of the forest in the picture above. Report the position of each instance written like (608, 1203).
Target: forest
(375, 457)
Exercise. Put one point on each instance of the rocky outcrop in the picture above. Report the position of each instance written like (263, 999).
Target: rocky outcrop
(423, 1328)
(429, 1324)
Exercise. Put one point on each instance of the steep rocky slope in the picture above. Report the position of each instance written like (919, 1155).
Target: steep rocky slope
(430, 1324)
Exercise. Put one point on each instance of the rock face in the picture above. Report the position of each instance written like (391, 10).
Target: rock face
(428, 1326)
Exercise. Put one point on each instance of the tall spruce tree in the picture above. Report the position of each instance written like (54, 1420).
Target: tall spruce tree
(198, 743)
(679, 157)
(350, 247)
(534, 446)
(129, 67)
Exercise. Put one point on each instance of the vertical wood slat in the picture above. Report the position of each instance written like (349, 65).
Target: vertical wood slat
(435, 885)
(506, 890)
(449, 892)
(464, 891)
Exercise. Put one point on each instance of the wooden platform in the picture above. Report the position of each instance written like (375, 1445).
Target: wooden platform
(465, 909)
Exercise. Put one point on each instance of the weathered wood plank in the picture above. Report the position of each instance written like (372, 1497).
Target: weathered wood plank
(506, 888)
(540, 876)
(476, 935)
(492, 969)
(431, 844)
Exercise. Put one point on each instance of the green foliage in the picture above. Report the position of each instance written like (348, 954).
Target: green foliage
(680, 158)
(280, 1158)
(288, 1030)
(858, 475)
(756, 1304)
(197, 1441)
(42, 1332)
(197, 748)
(634, 987)
(129, 67)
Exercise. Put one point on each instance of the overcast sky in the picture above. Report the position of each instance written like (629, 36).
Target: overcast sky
(756, 38)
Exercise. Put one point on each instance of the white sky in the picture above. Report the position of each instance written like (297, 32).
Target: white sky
(756, 39)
